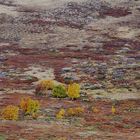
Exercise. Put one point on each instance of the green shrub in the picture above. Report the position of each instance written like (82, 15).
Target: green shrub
(2, 137)
(59, 91)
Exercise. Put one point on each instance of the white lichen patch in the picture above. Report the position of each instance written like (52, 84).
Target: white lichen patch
(115, 94)
(8, 10)
(40, 73)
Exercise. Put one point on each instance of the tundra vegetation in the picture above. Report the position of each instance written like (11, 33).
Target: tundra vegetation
(69, 69)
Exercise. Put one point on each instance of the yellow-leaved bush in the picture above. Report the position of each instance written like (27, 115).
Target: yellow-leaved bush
(29, 106)
(74, 90)
(10, 113)
(113, 110)
(60, 114)
(95, 110)
(75, 111)
(47, 84)
(43, 87)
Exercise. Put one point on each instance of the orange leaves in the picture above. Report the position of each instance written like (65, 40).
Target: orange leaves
(24, 104)
(29, 106)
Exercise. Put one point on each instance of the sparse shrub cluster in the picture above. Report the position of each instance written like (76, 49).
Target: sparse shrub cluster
(78, 111)
(27, 105)
(75, 111)
(60, 91)
(31, 107)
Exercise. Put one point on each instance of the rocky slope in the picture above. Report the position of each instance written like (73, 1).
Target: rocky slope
(94, 42)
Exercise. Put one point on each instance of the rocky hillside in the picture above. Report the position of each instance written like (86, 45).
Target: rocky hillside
(92, 42)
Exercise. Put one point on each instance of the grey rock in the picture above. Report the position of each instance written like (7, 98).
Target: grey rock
(67, 69)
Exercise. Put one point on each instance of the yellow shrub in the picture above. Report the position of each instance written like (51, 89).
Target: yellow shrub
(75, 111)
(113, 110)
(46, 84)
(34, 115)
(79, 110)
(74, 90)
(10, 113)
(60, 114)
(71, 112)
(95, 110)
(29, 106)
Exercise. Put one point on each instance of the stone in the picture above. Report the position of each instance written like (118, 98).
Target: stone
(2, 58)
(3, 74)
(67, 69)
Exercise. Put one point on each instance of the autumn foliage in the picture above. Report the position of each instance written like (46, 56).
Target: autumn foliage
(10, 113)
(76, 111)
(74, 90)
(29, 106)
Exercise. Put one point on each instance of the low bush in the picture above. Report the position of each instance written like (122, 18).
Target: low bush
(75, 111)
(43, 87)
(60, 114)
(29, 106)
(74, 90)
(46, 84)
(59, 91)
(10, 113)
